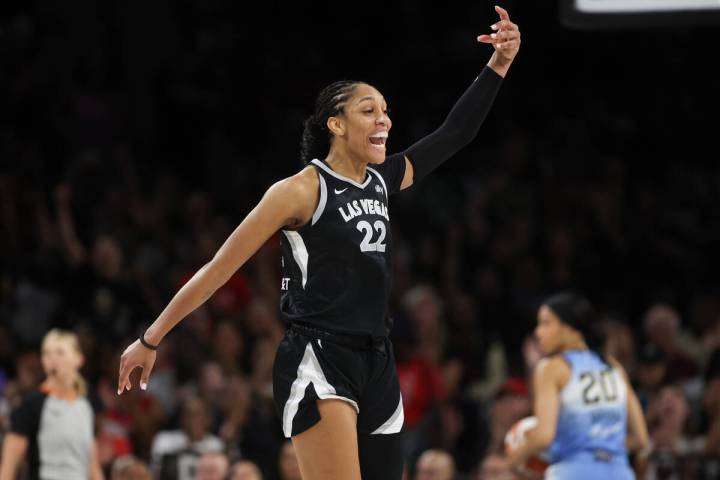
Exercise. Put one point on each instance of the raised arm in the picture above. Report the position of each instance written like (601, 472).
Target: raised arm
(288, 203)
(468, 114)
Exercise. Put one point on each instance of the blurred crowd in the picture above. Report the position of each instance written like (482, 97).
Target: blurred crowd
(134, 136)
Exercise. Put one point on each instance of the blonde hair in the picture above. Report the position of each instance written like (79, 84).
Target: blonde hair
(72, 340)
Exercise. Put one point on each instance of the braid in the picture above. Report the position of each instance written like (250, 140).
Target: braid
(330, 102)
(576, 311)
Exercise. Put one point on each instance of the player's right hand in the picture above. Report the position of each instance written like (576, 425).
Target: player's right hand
(135, 355)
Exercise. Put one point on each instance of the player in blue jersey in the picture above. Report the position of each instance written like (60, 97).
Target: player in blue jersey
(334, 379)
(588, 415)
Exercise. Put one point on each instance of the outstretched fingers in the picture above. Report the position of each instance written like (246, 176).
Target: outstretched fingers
(504, 25)
(506, 35)
(506, 32)
(503, 36)
(502, 12)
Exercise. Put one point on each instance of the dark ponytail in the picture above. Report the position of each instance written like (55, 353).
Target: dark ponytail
(576, 311)
(329, 103)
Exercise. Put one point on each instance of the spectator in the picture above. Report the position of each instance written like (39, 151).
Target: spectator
(663, 327)
(435, 465)
(228, 347)
(212, 466)
(129, 468)
(511, 404)
(666, 415)
(288, 466)
(619, 343)
(494, 467)
(651, 373)
(174, 450)
(245, 470)
(127, 423)
(261, 321)
(419, 370)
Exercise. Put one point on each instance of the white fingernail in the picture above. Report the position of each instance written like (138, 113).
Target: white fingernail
(143, 386)
(494, 27)
(119, 391)
(493, 35)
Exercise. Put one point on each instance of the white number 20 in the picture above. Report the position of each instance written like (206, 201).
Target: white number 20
(366, 245)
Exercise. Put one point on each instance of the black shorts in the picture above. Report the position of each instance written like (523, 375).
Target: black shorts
(313, 364)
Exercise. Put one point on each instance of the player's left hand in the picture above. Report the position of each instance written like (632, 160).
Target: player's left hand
(506, 39)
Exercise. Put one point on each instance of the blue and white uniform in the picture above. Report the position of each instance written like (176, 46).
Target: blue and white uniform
(589, 441)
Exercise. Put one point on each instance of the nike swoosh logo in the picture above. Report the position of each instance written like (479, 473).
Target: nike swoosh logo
(340, 191)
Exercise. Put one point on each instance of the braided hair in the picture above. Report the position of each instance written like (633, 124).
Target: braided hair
(329, 103)
(576, 311)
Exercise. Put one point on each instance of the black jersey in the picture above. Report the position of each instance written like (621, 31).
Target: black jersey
(337, 269)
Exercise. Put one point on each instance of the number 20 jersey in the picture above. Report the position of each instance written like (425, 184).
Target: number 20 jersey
(337, 268)
(593, 409)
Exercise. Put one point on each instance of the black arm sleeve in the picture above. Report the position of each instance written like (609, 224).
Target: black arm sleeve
(393, 171)
(459, 128)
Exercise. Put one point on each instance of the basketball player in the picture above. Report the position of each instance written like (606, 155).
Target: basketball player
(588, 415)
(335, 384)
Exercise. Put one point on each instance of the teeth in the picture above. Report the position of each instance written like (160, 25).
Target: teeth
(380, 135)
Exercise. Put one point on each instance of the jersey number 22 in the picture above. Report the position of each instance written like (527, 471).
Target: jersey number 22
(367, 245)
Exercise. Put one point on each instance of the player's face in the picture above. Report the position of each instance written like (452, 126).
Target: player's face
(548, 330)
(367, 124)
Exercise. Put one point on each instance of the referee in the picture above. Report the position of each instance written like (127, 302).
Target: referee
(53, 427)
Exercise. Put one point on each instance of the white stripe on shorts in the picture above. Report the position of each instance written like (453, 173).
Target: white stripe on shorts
(394, 423)
(309, 371)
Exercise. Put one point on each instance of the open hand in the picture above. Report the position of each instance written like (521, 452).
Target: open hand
(506, 39)
(135, 355)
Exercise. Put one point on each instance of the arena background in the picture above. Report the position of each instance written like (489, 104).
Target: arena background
(135, 135)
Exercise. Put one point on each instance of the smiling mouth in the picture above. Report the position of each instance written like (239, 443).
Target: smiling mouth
(378, 140)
